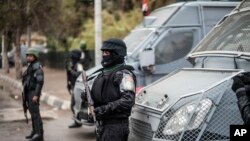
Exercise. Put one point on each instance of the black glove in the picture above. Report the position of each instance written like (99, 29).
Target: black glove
(247, 73)
(99, 112)
(245, 78)
(237, 83)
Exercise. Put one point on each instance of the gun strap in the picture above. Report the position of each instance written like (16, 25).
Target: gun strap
(128, 67)
(90, 77)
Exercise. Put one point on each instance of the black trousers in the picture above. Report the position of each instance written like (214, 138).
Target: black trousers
(72, 101)
(114, 132)
(72, 104)
(36, 119)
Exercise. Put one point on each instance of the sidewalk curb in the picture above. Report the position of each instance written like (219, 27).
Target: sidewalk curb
(45, 97)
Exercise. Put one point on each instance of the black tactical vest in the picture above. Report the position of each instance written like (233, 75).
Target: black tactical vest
(29, 80)
(105, 89)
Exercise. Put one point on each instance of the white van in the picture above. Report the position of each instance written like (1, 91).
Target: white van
(197, 103)
(170, 33)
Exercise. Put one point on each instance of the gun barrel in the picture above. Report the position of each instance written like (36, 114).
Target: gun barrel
(89, 98)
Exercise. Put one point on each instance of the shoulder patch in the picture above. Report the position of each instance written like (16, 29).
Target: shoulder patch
(127, 83)
(37, 65)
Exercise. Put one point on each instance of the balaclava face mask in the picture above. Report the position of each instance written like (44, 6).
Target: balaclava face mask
(112, 60)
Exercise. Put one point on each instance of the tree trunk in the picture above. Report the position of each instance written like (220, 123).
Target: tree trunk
(5, 64)
(18, 61)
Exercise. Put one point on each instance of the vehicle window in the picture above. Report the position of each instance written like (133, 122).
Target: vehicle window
(173, 46)
(135, 38)
(232, 35)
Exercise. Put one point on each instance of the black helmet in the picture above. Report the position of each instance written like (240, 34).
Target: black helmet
(75, 54)
(118, 51)
(115, 45)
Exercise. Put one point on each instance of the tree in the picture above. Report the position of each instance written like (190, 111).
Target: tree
(17, 15)
(11, 16)
(5, 64)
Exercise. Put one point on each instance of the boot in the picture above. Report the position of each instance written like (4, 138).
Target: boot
(37, 137)
(75, 125)
(30, 135)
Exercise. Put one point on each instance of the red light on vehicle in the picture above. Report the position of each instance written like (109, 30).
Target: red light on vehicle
(138, 89)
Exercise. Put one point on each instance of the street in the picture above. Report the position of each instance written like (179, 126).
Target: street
(14, 128)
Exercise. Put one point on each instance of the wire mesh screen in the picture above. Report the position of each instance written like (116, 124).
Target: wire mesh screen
(226, 114)
(209, 118)
(140, 131)
(232, 34)
(245, 4)
(162, 132)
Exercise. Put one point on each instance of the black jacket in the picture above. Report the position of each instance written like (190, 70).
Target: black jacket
(107, 92)
(243, 96)
(72, 72)
(33, 78)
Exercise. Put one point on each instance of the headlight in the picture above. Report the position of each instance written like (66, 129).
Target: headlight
(181, 117)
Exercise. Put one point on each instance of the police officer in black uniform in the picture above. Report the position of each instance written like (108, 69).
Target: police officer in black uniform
(113, 92)
(74, 68)
(241, 86)
(85, 56)
(33, 79)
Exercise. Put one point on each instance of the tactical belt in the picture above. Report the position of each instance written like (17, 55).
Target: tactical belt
(115, 121)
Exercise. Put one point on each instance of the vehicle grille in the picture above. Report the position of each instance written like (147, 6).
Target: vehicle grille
(140, 131)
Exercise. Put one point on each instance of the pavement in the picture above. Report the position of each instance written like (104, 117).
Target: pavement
(13, 126)
(54, 92)
(13, 115)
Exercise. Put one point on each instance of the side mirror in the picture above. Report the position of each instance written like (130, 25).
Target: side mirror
(147, 60)
(148, 20)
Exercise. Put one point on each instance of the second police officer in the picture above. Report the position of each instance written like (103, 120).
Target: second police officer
(33, 79)
(113, 92)
(73, 68)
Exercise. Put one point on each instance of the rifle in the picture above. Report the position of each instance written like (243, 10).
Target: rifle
(99, 128)
(89, 98)
(25, 107)
(69, 85)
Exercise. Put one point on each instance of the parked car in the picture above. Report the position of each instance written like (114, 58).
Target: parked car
(162, 41)
(11, 54)
(197, 103)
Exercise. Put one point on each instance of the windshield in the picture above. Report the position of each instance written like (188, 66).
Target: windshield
(232, 35)
(163, 15)
(135, 38)
(140, 34)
